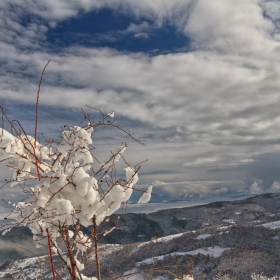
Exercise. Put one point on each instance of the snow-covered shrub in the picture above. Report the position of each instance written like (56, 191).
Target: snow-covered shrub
(67, 187)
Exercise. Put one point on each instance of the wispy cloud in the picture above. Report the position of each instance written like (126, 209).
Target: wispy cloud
(202, 188)
(137, 28)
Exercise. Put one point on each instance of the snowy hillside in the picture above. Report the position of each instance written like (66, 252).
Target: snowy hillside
(212, 252)
(215, 248)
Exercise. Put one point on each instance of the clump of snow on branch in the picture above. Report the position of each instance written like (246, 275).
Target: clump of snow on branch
(66, 191)
(112, 114)
(146, 196)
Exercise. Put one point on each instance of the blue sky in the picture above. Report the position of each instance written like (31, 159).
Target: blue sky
(197, 80)
(122, 32)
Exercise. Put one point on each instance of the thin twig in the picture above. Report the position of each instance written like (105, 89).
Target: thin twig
(36, 119)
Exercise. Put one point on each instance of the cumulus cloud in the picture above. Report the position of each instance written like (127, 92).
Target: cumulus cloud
(225, 26)
(272, 11)
(53, 11)
(255, 188)
(275, 187)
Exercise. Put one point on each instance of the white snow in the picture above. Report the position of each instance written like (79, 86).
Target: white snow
(146, 196)
(160, 239)
(255, 276)
(139, 276)
(215, 252)
(66, 190)
(112, 114)
(169, 237)
(272, 225)
(224, 228)
(203, 236)
(186, 277)
(230, 221)
(27, 267)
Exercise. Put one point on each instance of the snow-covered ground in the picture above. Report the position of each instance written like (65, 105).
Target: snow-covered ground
(272, 225)
(139, 276)
(203, 236)
(168, 238)
(161, 239)
(215, 252)
(25, 268)
(230, 221)
(224, 228)
(33, 268)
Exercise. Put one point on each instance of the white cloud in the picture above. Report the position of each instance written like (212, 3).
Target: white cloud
(137, 28)
(223, 95)
(275, 187)
(233, 26)
(141, 30)
(272, 9)
(255, 188)
(159, 183)
(204, 188)
(141, 35)
(54, 11)
(202, 161)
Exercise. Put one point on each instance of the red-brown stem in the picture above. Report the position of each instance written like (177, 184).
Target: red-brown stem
(51, 255)
(71, 257)
(36, 119)
(96, 248)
